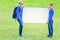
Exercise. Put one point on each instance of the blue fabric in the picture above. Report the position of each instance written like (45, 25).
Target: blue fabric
(20, 26)
(17, 13)
(50, 27)
(50, 24)
(51, 13)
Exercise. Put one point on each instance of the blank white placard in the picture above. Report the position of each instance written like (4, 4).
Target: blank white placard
(35, 15)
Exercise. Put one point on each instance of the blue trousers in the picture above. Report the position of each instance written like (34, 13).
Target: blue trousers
(20, 26)
(50, 27)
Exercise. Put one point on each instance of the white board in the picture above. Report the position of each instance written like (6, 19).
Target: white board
(35, 15)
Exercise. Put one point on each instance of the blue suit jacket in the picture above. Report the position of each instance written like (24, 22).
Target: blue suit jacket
(51, 13)
(17, 13)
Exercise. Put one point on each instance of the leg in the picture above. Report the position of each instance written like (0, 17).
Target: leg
(20, 27)
(50, 28)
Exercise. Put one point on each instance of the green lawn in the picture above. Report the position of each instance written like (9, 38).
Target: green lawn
(9, 28)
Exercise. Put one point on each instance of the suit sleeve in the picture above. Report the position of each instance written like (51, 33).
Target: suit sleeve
(52, 13)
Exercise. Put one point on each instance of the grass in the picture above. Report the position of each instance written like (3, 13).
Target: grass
(9, 28)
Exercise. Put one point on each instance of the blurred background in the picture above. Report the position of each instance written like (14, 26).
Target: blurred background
(32, 31)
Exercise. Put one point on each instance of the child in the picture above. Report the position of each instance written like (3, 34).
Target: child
(17, 14)
(50, 20)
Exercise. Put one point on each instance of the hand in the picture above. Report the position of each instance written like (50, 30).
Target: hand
(47, 22)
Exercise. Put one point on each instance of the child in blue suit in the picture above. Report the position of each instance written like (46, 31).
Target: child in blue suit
(17, 14)
(50, 20)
